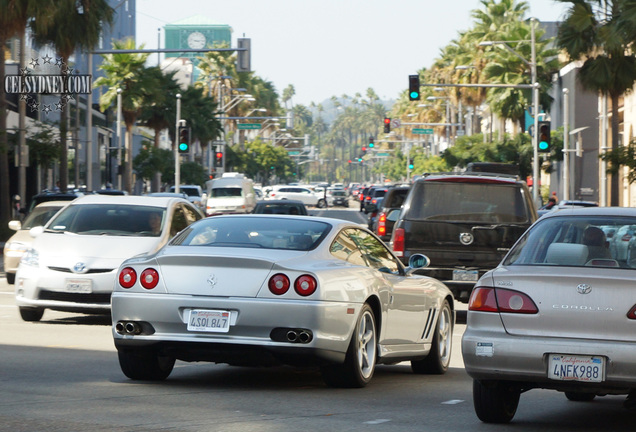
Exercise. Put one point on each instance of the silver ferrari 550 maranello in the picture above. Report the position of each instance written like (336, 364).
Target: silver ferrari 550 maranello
(558, 313)
(269, 290)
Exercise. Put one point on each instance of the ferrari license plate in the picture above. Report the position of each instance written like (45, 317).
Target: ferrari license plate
(465, 275)
(565, 367)
(217, 321)
(80, 286)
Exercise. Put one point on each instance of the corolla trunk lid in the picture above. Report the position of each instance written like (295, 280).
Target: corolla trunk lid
(576, 302)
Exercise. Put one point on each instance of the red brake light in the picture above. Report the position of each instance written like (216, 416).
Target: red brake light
(626, 237)
(127, 277)
(305, 285)
(501, 300)
(278, 284)
(632, 313)
(149, 278)
(398, 242)
(382, 224)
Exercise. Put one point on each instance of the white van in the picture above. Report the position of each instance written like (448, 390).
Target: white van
(232, 193)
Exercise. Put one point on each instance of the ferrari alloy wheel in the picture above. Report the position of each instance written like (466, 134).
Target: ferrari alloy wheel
(438, 359)
(359, 365)
(144, 364)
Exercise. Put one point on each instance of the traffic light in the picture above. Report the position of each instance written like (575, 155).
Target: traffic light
(218, 159)
(371, 142)
(184, 139)
(414, 87)
(387, 125)
(364, 150)
(410, 163)
(544, 137)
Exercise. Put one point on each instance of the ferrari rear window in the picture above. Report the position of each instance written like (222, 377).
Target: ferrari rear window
(254, 232)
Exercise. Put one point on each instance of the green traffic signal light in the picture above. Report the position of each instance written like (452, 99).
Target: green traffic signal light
(414, 87)
(184, 139)
(544, 137)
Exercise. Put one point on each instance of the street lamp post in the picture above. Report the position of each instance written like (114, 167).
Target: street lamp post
(119, 139)
(535, 102)
(177, 159)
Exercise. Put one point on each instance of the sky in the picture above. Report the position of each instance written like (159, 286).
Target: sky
(328, 48)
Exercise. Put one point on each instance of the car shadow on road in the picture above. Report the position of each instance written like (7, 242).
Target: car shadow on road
(97, 320)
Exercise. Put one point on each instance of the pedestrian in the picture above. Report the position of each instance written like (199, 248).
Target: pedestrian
(18, 212)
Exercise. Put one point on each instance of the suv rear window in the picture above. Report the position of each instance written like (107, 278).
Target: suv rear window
(474, 202)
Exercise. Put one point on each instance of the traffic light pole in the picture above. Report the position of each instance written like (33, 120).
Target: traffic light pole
(177, 159)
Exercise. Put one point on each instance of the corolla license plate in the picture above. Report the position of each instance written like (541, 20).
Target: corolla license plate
(565, 367)
(465, 275)
(209, 321)
(80, 286)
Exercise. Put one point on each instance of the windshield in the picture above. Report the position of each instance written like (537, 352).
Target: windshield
(39, 217)
(110, 219)
(226, 192)
(578, 241)
(468, 202)
(254, 232)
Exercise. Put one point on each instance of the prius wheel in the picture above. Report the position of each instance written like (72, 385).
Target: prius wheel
(580, 396)
(145, 365)
(438, 359)
(359, 364)
(31, 314)
(495, 401)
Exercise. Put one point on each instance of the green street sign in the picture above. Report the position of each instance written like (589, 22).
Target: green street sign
(423, 131)
(382, 154)
(249, 125)
(293, 153)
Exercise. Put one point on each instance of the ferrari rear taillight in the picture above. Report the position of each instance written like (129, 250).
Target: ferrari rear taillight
(149, 278)
(305, 285)
(127, 277)
(398, 242)
(632, 313)
(485, 299)
(279, 284)
(382, 224)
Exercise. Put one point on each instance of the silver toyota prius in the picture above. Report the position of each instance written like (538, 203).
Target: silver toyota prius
(558, 313)
(279, 289)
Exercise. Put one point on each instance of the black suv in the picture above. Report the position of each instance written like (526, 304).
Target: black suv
(464, 222)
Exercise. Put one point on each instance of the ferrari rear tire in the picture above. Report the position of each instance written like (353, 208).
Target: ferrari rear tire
(439, 358)
(144, 365)
(580, 396)
(359, 365)
(495, 401)
(31, 314)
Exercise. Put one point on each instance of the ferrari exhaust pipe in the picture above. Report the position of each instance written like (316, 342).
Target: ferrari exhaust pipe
(304, 337)
(292, 336)
(132, 328)
(120, 328)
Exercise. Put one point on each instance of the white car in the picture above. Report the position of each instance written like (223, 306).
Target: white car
(73, 260)
(306, 195)
(21, 241)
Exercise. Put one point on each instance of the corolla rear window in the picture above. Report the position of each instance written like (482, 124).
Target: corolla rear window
(257, 232)
(470, 202)
(109, 219)
(578, 241)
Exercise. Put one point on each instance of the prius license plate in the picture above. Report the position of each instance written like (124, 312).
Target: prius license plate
(217, 321)
(563, 367)
(79, 286)
(465, 275)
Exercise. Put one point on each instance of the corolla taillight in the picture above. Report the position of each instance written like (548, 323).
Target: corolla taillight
(127, 277)
(398, 242)
(149, 278)
(305, 285)
(485, 299)
(632, 313)
(279, 284)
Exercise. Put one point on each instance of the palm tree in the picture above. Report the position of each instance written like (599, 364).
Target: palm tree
(73, 24)
(288, 94)
(126, 72)
(593, 31)
(13, 22)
